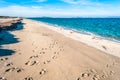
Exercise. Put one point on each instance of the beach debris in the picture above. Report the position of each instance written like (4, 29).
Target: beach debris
(43, 71)
(28, 78)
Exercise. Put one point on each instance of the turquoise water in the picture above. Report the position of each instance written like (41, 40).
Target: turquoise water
(105, 27)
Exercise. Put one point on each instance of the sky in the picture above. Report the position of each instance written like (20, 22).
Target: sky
(60, 8)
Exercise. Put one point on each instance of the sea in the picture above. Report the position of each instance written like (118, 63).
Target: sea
(107, 28)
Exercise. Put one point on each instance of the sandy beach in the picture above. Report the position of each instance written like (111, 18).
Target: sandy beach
(43, 52)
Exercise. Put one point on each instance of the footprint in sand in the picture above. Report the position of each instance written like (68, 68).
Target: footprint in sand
(27, 63)
(10, 69)
(46, 62)
(35, 56)
(42, 52)
(42, 71)
(3, 59)
(28, 78)
(19, 53)
(9, 64)
(18, 70)
(33, 50)
(61, 49)
(54, 57)
(57, 53)
(3, 78)
(89, 75)
(111, 72)
(34, 62)
(31, 63)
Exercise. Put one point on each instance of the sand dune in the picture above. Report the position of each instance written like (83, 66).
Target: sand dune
(43, 54)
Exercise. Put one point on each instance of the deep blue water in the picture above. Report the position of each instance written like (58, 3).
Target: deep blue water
(106, 27)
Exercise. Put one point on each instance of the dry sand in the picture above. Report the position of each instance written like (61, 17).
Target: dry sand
(43, 54)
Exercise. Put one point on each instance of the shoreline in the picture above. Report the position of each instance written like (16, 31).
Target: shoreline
(81, 32)
(103, 44)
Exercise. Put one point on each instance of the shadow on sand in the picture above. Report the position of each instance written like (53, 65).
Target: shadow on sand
(7, 38)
